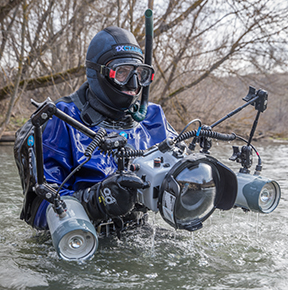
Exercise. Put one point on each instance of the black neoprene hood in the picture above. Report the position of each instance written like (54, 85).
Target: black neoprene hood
(111, 43)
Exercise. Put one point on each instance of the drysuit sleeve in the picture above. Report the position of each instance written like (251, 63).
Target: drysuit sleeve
(57, 154)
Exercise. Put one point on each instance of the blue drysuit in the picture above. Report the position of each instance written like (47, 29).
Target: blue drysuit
(64, 147)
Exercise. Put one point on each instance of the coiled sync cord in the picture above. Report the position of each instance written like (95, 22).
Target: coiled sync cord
(88, 153)
(205, 133)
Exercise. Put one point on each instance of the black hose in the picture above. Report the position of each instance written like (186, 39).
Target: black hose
(205, 133)
(129, 153)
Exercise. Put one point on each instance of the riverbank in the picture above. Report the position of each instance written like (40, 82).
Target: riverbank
(7, 137)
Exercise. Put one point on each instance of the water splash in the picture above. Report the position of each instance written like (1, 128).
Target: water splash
(191, 247)
(153, 234)
(257, 225)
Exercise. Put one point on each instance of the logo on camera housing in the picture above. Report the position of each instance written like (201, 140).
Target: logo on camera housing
(109, 199)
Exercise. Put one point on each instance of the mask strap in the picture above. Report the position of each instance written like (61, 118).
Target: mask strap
(102, 69)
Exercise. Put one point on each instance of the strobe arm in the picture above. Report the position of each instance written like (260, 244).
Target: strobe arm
(42, 188)
(45, 111)
(229, 115)
(259, 100)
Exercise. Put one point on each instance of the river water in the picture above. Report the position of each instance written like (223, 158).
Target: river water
(233, 250)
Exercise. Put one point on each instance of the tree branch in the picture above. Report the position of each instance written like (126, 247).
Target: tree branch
(5, 32)
(165, 27)
(212, 68)
(37, 52)
(4, 10)
(44, 81)
(20, 66)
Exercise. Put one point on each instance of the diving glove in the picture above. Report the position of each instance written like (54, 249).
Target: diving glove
(113, 197)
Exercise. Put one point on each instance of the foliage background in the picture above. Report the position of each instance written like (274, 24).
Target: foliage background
(206, 54)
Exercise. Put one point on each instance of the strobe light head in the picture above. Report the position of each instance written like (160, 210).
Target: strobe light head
(193, 189)
(74, 237)
(257, 193)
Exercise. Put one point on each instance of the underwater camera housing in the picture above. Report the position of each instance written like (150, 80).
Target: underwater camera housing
(185, 188)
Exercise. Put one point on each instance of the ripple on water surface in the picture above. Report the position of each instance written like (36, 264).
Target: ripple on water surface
(234, 250)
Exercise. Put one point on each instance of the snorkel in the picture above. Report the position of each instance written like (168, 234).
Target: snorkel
(141, 111)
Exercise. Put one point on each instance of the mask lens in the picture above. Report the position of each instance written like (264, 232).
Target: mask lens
(122, 74)
(144, 75)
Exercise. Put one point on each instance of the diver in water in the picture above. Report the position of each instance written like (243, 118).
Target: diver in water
(194, 187)
(116, 76)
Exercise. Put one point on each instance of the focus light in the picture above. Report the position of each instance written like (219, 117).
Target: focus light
(257, 193)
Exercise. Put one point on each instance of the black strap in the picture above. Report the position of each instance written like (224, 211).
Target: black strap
(102, 69)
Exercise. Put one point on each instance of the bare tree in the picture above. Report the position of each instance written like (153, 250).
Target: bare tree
(194, 40)
(19, 72)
